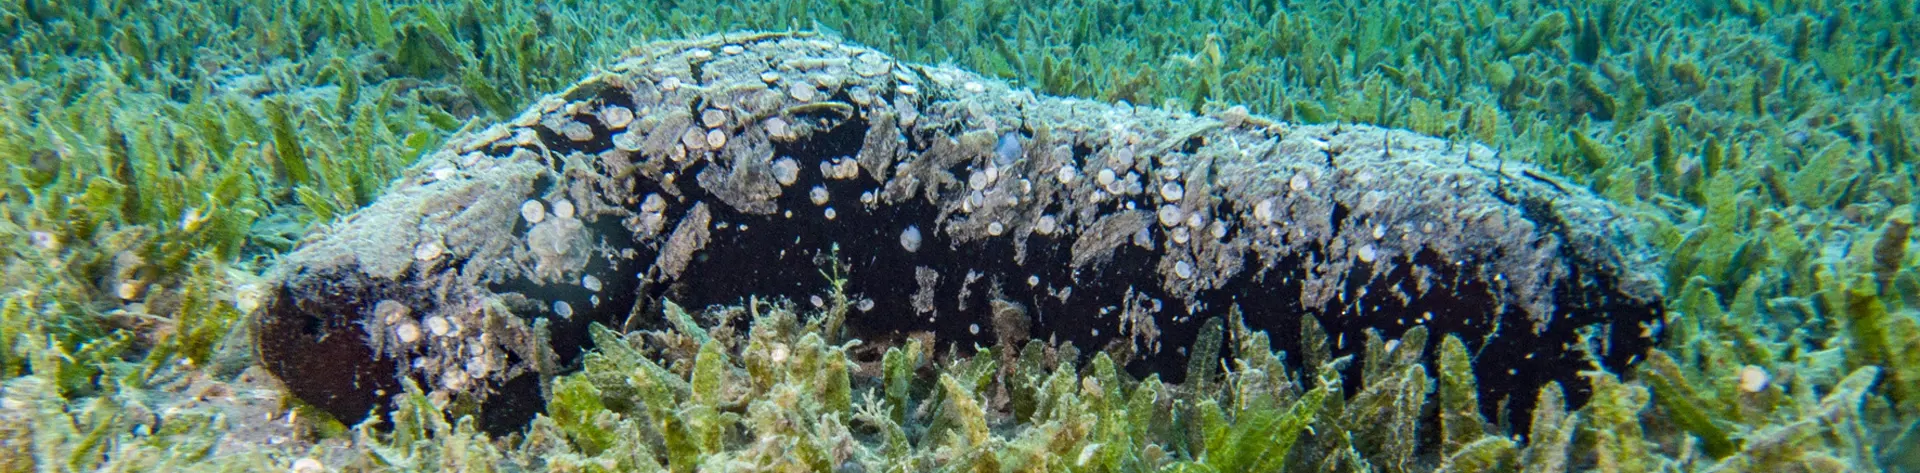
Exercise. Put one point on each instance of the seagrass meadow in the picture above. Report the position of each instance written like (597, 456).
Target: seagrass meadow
(960, 235)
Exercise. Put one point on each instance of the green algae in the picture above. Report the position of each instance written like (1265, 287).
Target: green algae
(1768, 142)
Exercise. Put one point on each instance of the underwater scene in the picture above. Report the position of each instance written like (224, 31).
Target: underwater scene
(960, 235)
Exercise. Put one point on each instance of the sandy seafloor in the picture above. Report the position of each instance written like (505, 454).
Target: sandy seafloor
(161, 156)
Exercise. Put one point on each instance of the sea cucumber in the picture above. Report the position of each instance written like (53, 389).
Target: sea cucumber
(706, 178)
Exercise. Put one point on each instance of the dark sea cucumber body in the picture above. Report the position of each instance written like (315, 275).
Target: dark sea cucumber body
(709, 170)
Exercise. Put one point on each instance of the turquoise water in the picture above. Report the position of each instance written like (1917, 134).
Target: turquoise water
(166, 159)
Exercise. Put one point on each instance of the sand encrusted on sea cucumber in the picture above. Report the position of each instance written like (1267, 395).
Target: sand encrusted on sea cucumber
(705, 179)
